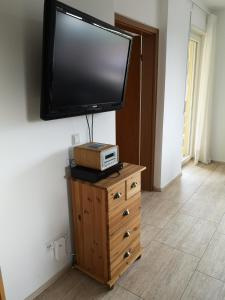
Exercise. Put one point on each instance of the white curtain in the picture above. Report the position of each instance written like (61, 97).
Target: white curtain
(205, 98)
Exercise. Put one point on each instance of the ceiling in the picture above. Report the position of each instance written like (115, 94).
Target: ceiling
(214, 4)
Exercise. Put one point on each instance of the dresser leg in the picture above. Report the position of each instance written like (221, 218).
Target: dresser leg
(110, 288)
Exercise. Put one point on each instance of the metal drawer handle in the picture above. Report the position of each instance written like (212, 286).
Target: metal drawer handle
(127, 254)
(127, 234)
(134, 185)
(117, 195)
(126, 212)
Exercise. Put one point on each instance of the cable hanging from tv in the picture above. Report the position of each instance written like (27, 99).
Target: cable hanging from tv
(90, 128)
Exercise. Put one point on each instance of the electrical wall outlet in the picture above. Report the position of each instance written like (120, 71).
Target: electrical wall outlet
(75, 139)
(58, 248)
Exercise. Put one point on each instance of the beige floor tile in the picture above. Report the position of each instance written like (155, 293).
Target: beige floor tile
(221, 226)
(199, 173)
(212, 190)
(89, 289)
(77, 286)
(148, 195)
(119, 293)
(179, 191)
(218, 175)
(188, 234)
(62, 286)
(148, 233)
(162, 273)
(213, 261)
(203, 287)
(184, 187)
(205, 207)
(158, 212)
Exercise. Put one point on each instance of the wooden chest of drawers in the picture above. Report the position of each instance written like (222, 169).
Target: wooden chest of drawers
(107, 224)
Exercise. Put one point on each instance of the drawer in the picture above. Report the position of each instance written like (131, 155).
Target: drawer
(123, 214)
(117, 195)
(122, 238)
(124, 258)
(133, 185)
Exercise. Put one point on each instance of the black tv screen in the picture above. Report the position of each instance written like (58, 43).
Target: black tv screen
(85, 63)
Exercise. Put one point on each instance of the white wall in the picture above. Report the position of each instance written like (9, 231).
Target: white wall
(198, 18)
(163, 7)
(145, 11)
(33, 195)
(34, 153)
(172, 17)
(218, 120)
(178, 27)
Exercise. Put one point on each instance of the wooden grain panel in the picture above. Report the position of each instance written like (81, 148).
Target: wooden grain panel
(117, 266)
(117, 195)
(127, 130)
(111, 181)
(78, 220)
(117, 218)
(100, 235)
(148, 107)
(90, 229)
(146, 123)
(122, 238)
(128, 170)
(100, 225)
(119, 272)
(133, 185)
(87, 158)
(90, 157)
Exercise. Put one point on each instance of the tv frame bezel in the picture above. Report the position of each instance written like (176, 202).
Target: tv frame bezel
(47, 113)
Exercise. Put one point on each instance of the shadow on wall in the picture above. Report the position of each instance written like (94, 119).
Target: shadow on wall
(70, 209)
(50, 202)
(33, 63)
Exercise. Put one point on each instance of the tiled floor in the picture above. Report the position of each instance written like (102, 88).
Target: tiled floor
(183, 234)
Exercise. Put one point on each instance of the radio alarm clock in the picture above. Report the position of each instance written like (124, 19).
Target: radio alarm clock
(97, 156)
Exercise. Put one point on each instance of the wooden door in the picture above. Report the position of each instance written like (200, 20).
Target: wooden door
(2, 293)
(128, 118)
(136, 122)
(148, 108)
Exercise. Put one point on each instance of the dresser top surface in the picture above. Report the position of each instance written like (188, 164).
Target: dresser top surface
(115, 178)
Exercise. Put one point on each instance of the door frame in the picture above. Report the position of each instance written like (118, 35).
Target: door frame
(198, 37)
(2, 292)
(143, 29)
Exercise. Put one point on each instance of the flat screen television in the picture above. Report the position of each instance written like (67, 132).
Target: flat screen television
(85, 63)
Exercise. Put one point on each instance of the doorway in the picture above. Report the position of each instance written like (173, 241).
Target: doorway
(136, 122)
(194, 52)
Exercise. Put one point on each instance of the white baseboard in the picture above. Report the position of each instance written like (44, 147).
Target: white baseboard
(218, 162)
(156, 189)
(186, 161)
(49, 283)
